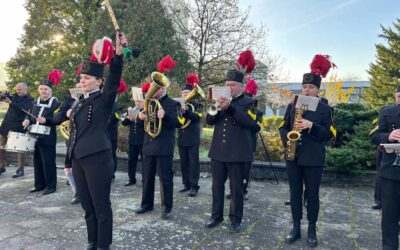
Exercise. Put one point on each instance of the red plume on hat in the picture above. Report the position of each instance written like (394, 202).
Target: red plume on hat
(102, 51)
(146, 87)
(192, 79)
(321, 64)
(122, 86)
(166, 64)
(251, 86)
(78, 70)
(55, 77)
(246, 62)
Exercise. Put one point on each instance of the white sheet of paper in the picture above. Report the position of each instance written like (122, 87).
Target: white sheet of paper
(180, 100)
(310, 102)
(137, 94)
(217, 92)
(75, 92)
(391, 147)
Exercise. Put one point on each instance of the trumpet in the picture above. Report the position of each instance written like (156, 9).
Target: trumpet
(214, 93)
(64, 129)
(151, 106)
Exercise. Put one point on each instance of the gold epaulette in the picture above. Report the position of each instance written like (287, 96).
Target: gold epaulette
(116, 115)
(281, 124)
(374, 121)
(55, 111)
(181, 120)
(199, 114)
(374, 129)
(333, 130)
(251, 114)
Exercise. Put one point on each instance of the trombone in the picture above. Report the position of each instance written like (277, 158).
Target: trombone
(151, 105)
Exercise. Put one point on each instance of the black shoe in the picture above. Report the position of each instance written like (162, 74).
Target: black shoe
(376, 207)
(294, 234)
(166, 215)
(287, 203)
(49, 191)
(2, 170)
(143, 210)
(236, 228)
(91, 246)
(312, 235)
(213, 223)
(193, 192)
(103, 248)
(76, 199)
(33, 190)
(67, 183)
(130, 183)
(184, 189)
(228, 196)
(19, 173)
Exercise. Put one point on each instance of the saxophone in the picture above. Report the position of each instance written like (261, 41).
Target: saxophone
(294, 135)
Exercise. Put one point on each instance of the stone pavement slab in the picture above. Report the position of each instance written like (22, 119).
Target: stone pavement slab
(34, 221)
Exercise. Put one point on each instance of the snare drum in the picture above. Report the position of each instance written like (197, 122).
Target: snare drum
(18, 142)
(39, 129)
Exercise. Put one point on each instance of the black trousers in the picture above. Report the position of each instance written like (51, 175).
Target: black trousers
(312, 179)
(377, 191)
(133, 156)
(190, 166)
(220, 172)
(44, 163)
(93, 175)
(114, 145)
(162, 165)
(390, 194)
(246, 176)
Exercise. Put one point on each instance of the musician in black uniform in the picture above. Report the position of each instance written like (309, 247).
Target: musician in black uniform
(316, 129)
(136, 136)
(44, 156)
(12, 122)
(388, 131)
(90, 146)
(231, 149)
(378, 160)
(188, 144)
(157, 156)
(59, 117)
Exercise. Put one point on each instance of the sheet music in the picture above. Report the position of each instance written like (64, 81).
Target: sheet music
(217, 92)
(310, 102)
(137, 94)
(75, 92)
(391, 147)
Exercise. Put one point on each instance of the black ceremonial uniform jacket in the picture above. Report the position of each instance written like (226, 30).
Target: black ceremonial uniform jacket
(49, 107)
(311, 147)
(233, 128)
(90, 117)
(15, 116)
(136, 131)
(190, 136)
(389, 119)
(113, 124)
(164, 143)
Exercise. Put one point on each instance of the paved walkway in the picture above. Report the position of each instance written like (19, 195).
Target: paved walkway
(34, 221)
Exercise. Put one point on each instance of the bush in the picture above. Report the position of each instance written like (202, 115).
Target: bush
(271, 124)
(273, 144)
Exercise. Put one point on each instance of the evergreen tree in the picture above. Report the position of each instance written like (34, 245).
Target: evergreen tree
(385, 72)
(59, 34)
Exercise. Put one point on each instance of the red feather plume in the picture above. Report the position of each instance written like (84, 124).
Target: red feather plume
(102, 51)
(146, 87)
(78, 70)
(192, 79)
(166, 64)
(246, 62)
(321, 64)
(251, 86)
(55, 77)
(122, 86)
